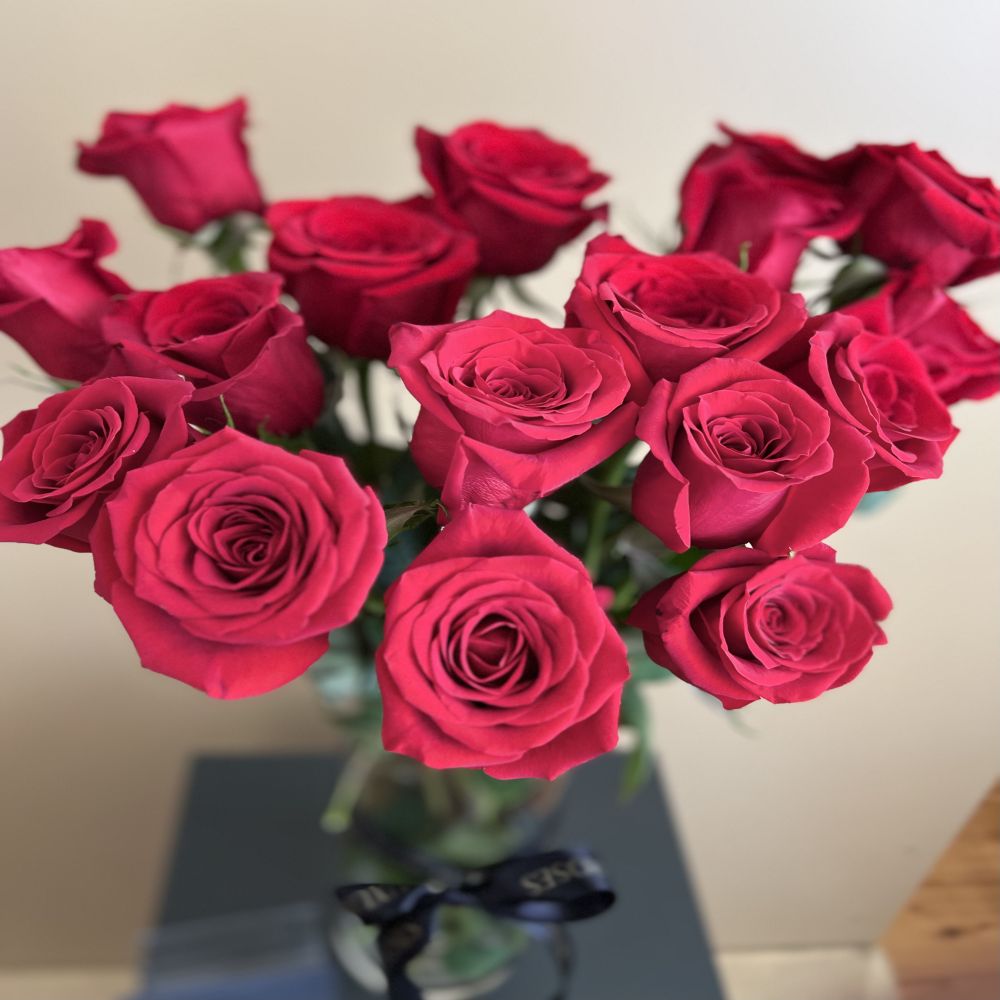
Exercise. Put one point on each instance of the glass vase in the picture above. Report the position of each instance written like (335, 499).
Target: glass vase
(400, 822)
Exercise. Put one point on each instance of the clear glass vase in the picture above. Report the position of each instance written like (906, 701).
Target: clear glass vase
(401, 822)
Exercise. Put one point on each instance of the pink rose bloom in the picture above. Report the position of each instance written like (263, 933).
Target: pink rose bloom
(521, 193)
(233, 340)
(680, 309)
(762, 191)
(740, 453)
(188, 165)
(230, 562)
(880, 387)
(512, 409)
(742, 625)
(63, 460)
(357, 265)
(497, 654)
(51, 299)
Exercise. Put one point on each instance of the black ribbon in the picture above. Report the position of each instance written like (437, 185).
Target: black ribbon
(550, 888)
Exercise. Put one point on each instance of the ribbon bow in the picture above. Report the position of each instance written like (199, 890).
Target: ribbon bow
(549, 888)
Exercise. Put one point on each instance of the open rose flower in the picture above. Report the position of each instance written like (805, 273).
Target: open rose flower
(512, 409)
(762, 191)
(743, 626)
(497, 655)
(917, 209)
(233, 340)
(231, 561)
(64, 459)
(357, 265)
(739, 453)
(51, 299)
(881, 388)
(678, 310)
(189, 165)
(519, 191)
(962, 360)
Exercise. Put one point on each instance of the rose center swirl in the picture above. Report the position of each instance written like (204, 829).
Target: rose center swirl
(489, 653)
(250, 543)
(790, 622)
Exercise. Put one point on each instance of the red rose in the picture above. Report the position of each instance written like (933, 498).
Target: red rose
(520, 192)
(358, 265)
(497, 655)
(761, 190)
(231, 338)
(188, 165)
(962, 360)
(739, 453)
(678, 310)
(230, 562)
(742, 625)
(51, 298)
(918, 209)
(64, 459)
(512, 409)
(881, 388)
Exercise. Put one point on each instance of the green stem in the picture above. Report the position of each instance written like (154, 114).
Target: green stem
(351, 783)
(228, 248)
(612, 474)
(625, 596)
(436, 794)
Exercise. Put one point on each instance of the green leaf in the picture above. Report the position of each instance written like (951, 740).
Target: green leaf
(681, 561)
(400, 517)
(859, 278)
(294, 444)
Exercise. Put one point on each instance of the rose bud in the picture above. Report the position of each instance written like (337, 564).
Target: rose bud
(678, 310)
(880, 387)
(962, 360)
(229, 562)
(51, 298)
(742, 625)
(63, 460)
(519, 191)
(512, 409)
(233, 340)
(762, 191)
(358, 265)
(188, 165)
(917, 209)
(497, 654)
(740, 453)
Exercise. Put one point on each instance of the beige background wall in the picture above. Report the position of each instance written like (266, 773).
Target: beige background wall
(805, 825)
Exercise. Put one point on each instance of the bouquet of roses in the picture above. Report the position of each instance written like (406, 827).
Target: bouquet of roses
(647, 480)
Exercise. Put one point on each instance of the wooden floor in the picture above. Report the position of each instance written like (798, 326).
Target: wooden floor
(945, 944)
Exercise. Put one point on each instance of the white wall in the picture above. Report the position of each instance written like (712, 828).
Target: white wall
(809, 831)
